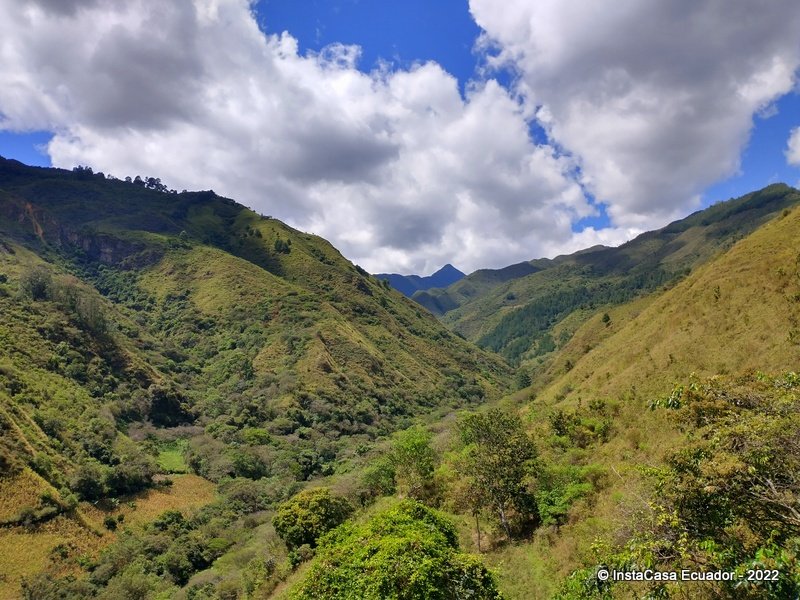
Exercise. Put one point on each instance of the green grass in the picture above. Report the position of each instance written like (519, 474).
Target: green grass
(171, 456)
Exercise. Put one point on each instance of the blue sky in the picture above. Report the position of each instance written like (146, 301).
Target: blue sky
(626, 126)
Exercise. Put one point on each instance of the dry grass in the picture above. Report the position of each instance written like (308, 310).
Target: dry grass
(731, 315)
(187, 493)
(28, 551)
(19, 490)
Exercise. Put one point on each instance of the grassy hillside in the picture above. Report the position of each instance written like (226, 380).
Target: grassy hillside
(145, 332)
(516, 311)
(600, 408)
(197, 401)
(740, 312)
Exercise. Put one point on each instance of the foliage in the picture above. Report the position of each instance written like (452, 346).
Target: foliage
(497, 465)
(406, 552)
(558, 487)
(308, 515)
(414, 461)
(727, 500)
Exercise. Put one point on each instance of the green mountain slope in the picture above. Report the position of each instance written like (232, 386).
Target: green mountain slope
(739, 312)
(517, 313)
(701, 346)
(131, 318)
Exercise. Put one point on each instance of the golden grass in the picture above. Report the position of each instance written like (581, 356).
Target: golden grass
(19, 490)
(187, 493)
(28, 551)
(731, 315)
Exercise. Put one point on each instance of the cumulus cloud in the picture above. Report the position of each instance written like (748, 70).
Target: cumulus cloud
(654, 99)
(396, 168)
(644, 104)
(793, 148)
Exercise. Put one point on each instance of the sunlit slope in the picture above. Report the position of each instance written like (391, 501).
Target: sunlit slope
(242, 309)
(741, 311)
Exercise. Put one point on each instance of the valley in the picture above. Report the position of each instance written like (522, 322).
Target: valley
(198, 401)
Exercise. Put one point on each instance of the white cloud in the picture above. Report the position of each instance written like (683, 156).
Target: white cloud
(793, 148)
(655, 99)
(395, 168)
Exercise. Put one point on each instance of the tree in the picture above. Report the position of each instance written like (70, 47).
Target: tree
(87, 481)
(414, 460)
(37, 284)
(496, 463)
(523, 380)
(306, 516)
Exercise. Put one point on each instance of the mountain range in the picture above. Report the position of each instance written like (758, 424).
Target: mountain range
(192, 394)
(408, 285)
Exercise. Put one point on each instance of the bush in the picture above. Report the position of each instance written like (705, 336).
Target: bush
(87, 482)
(36, 284)
(305, 517)
(409, 551)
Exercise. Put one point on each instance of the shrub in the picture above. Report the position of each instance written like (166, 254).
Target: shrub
(409, 551)
(305, 517)
(36, 284)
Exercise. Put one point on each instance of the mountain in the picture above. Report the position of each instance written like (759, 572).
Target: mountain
(192, 394)
(666, 407)
(525, 311)
(738, 312)
(144, 332)
(409, 284)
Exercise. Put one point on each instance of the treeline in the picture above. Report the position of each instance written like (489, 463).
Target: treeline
(150, 183)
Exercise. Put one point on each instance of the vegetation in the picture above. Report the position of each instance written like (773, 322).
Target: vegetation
(495, 466)
(725, 502)
(515, 311)
(406, 552)
(305, 517)
(145, 333)
(200, 402)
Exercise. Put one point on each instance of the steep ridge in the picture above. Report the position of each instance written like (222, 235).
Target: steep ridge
(739, 312)
(134, 322)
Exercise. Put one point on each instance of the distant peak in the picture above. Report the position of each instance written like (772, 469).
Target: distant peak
(409, 284)
(448, 269)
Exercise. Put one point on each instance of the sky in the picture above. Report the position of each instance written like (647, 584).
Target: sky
(413, 134)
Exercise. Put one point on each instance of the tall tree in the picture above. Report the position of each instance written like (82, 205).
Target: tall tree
(414, 460)
(496, 463)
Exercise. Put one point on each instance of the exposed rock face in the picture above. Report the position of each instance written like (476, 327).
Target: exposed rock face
(99, 246)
